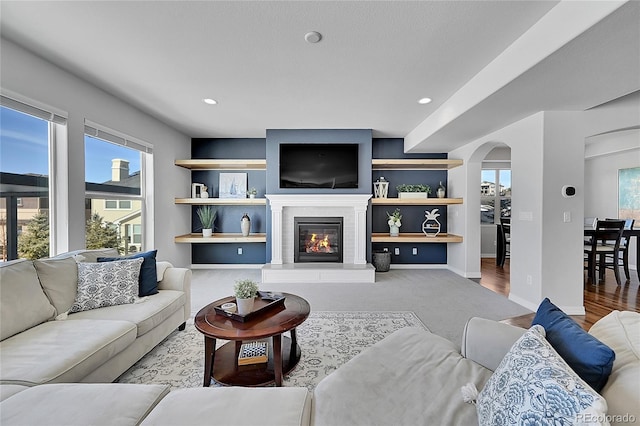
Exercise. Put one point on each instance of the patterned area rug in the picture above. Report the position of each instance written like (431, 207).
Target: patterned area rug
(327, 340)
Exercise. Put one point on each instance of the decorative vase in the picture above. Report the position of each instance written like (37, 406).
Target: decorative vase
(207, 232)
(441, 191)
(382, 261)
(245, 306)
(245, 225)
(394, 231)
(204, 194)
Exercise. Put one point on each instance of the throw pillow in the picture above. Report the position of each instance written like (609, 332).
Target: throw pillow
(148, 281)
(586, 355)
(106, 284)
(534, 385)
(59, 279)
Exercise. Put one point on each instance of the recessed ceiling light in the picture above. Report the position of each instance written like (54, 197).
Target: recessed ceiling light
(424, 101)
(313, 37)
(210, 101)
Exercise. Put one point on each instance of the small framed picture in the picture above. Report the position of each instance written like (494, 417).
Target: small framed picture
(196, 190)
(233, 185)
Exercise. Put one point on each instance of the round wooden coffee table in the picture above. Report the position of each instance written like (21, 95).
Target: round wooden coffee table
(284, 352)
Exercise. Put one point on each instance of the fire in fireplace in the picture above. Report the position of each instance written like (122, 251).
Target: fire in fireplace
(318, 239)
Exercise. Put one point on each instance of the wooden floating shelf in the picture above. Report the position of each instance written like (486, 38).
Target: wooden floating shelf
(416, 237)
(223, 201)
(416, 201)
(220, 238)
(414, 164)
(241, 164)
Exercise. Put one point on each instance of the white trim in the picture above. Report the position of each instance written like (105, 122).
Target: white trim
(226, 265)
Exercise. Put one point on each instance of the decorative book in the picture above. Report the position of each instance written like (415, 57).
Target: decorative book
(253, 353)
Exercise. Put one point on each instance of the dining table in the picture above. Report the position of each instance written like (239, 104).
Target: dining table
(589, 231)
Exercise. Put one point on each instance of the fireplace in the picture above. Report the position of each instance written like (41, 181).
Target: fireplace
(318, 239)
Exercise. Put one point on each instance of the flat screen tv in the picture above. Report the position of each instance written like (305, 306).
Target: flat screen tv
(318, 165)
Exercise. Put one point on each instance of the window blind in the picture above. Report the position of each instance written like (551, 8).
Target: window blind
(40, 111)
(100, 132)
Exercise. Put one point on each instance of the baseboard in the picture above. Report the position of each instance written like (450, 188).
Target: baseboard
(469, 275)
(418, 266)
(226, 265)
(523, 302)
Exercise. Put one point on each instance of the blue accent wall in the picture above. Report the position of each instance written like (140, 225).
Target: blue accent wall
(267, 182)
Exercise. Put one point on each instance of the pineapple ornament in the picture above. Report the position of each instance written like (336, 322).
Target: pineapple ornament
(431, 226)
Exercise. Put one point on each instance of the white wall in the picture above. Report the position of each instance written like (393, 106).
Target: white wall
(547, 151)
(32, 77)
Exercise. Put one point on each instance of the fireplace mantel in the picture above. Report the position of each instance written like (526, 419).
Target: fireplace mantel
(354, 207)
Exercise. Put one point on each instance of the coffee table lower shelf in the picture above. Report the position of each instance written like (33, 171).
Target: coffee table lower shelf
(227, 372)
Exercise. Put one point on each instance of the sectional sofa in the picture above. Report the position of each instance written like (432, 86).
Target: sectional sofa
(411, 377)
(41, 342)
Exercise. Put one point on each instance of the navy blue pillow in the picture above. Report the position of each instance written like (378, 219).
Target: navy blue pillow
(591, 359)
(148, 281)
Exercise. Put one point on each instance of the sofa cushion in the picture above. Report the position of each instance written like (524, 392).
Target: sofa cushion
(148, 280)
(62, 351)
(621, 332)
(59, 279)
(106, 284)
(23, 304)
(90, 256)
(411, 377)
(585, 354)
(147, 313)
(233, 406)
(81, 404)
(534, 385)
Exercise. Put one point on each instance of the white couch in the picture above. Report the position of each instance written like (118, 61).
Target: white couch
(41, 345)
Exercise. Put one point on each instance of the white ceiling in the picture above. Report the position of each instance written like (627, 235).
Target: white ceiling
(376, 59)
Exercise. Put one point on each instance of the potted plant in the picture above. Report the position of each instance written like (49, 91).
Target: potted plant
(413, 190)
(207, 216)
(394, 222)
(252, 193)
(245, 292)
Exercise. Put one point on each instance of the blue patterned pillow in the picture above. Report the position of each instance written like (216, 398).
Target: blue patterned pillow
(533, 385)
(106, 284)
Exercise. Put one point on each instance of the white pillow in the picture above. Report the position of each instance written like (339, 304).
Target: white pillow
(106, 284)
(534, 385)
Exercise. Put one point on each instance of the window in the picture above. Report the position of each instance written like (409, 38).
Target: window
(26, 139)
(117, 204)
(114, 180)
(495, 190)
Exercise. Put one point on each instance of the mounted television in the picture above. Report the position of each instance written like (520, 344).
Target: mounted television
(319, 165)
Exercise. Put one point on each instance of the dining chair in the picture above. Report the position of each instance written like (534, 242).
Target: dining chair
(504, 233)
(623, 252)
(603, 251)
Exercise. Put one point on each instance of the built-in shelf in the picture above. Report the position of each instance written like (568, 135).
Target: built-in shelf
(214, 164)
(415, 237)
(220, 238)
(416, 201)
(414, 164)
(223, 201)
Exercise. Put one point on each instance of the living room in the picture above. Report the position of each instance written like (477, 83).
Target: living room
(29, 76)
(577, 140)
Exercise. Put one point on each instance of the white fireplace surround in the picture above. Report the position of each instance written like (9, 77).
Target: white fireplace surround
(351, 207)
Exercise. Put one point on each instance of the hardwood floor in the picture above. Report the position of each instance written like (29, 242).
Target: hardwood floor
(599, 300)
